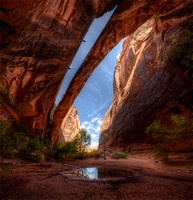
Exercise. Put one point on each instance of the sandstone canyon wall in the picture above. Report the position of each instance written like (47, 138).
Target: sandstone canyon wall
(128, 16)
(70, 126)
(40, 38)
(147, 80)
(38, 42)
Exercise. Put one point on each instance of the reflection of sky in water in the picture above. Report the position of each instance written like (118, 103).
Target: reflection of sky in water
(98, 173)
(92, 173)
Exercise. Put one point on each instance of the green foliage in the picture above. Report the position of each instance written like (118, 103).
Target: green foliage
(159, 132)
(118, 155)
(183, 52)
(29, 156)
(35, 144)
(85, 139)
(6, 97)
(82, 141)
(65, 150)
(3, 125)
(181, 130)
(70, 150)
(17, 140)
(93, 154)
(183, 127)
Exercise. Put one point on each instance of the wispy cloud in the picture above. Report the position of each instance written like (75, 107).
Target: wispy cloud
(94, 144)
(101, 107)
(97, 120)
(118, 55)
(93, 125)
(87, 125)
(93, 136)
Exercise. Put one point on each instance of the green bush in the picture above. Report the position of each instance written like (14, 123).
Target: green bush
(93, 154)
(16, 140)
(183, 52)
(65, 150)
(35, 144)
(118, 155)
(181, 130)
(24, 154)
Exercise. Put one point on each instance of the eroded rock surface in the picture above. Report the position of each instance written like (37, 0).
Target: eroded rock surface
(38, 42)
(40, 38)
(147, 81)
(128, 16)
(70, 126)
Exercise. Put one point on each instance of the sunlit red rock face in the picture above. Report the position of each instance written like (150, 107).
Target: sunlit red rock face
(40, 38)
(38, 42)
(128, 16)
(147, 82)
(70, 126)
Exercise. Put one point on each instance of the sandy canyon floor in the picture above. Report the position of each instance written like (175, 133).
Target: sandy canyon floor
(151, 180)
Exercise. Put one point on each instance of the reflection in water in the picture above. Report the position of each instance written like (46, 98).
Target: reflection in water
(99, 173)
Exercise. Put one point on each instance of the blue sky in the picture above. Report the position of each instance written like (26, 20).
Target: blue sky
(96, 97)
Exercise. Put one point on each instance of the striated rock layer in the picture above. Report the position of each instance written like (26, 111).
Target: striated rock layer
(70, 126)
(147, 80)
(128, 16)
(38, 42)
(40, 38)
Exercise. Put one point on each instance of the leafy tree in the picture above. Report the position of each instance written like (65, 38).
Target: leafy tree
(17, 140)
(82, 141)
(86, 139)
(180, 128)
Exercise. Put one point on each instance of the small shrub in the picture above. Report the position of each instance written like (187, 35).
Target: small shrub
(64, 151)
(35, 144)
(29, 156)
(16, 140)
(118, 155)
(93, 154)
(179, 129)
(182, 130)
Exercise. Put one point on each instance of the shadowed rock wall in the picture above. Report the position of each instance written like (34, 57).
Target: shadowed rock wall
(147, 81)
(128, 16)
(40, 38)
(38, 42)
